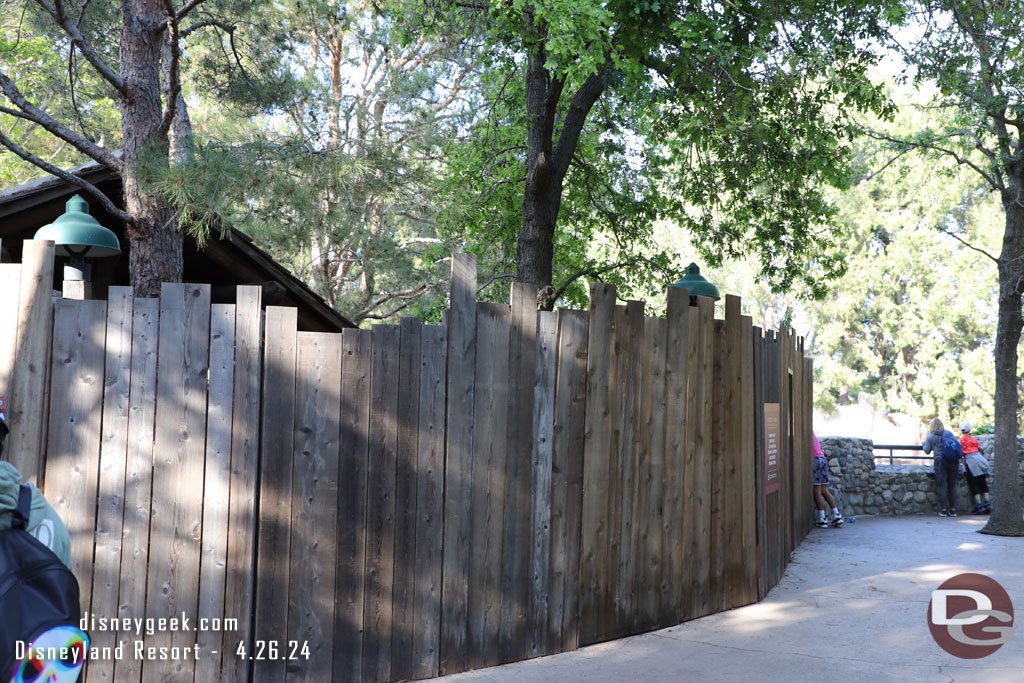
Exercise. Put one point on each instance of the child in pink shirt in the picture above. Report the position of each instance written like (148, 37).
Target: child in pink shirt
(821, 492)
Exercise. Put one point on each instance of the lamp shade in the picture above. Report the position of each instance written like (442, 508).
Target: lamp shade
(697, 284)
(76, 233)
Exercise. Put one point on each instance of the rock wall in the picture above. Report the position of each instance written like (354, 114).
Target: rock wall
(863, 488)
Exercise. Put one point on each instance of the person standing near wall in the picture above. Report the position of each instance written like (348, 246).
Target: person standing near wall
(821, 492)
(945, 468)
(977, 468)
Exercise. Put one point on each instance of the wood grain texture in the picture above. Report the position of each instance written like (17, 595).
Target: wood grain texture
(275, 486)
(213, 566)
(352, 504)
(748, 463)
(179, 451)
(679, 489)
(313, 544)
(403, 635)
(488, 504)
(429, 501)
(515, 563)
(26, 414)
(462, 350)
(74, 440)
(245, 442)
(378, 607)
(629, 447)
(110, 512)
(652, 477)
(703, 375)
(570, 418)
(138, 477)
(542, 461)
(594, 577)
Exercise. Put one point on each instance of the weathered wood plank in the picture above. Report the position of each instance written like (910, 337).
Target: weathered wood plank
(748, 474)
(429, 501)
(138, 477)
(761, 543)
(458, 466)
(110, 512)
(732, 439)
(245, 435)
(544, 380)
(378, 608)
(179, 451)
(314, 503)
(402, 662)
(488, 506)
(566, 480)
(629, 447)
(652, 477)
(74, 439)
(594, 578)
(213, 566)
(275, 511)
(26, 412)
(717, 583)
(703, 375)
(352, 504)
(607, 614)
(678, 488)
(515, 562)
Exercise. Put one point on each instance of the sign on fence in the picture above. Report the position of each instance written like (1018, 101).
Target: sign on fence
(771, 447)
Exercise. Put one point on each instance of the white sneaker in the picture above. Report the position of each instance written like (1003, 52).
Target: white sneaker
(837, 521)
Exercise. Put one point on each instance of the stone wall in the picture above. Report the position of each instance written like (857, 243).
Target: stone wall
(863, 488)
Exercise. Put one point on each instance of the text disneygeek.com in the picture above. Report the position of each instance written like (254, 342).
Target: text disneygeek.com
(139, 649)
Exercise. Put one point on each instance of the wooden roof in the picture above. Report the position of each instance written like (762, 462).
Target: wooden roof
(223, 263)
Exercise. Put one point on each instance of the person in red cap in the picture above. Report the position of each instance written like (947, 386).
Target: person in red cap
(977, 469)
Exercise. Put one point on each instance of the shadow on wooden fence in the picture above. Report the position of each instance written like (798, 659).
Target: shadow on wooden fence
(409, 500)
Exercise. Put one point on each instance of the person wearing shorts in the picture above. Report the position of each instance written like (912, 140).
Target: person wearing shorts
(821, 492)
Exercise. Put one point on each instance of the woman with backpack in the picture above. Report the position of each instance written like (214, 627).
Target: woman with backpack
(946, 449)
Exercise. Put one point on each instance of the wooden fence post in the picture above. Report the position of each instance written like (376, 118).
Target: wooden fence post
(488, 504)
(567, 480)
(515, 561)
(27, 395)
(110, 512)
(594, 577)
(245, 440)
(458, 464)
(679, 485)
(275, 485)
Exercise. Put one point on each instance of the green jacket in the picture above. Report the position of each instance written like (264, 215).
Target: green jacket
(43, 521)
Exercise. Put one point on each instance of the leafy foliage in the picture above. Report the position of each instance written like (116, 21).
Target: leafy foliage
(728, 118)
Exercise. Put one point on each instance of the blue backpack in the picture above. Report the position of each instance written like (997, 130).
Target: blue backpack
(950, 448)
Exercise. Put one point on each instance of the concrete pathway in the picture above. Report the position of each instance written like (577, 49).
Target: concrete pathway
(851, 607)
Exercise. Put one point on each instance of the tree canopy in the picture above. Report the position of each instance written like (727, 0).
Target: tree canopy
(728, 118)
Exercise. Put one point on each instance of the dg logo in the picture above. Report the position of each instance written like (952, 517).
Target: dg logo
(970, 616)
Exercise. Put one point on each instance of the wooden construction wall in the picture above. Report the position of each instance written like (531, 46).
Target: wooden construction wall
(410, 500)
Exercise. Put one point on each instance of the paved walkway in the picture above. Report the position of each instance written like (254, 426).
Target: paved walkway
(851, 607)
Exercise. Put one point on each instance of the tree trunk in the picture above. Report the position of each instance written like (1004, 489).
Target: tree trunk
(542, 196)
(541, 202)
(1006, 511)
(181, 138)
(154, 241)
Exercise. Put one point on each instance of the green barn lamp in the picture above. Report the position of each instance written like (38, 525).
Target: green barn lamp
(697, 284)
(79, 236)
